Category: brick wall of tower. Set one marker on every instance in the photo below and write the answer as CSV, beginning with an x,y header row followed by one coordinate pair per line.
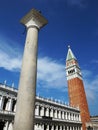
x,y
77,98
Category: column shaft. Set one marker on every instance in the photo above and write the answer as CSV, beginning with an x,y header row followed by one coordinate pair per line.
x,y
42,111
1,102
37,110
52,127
51,112
26,95
6,126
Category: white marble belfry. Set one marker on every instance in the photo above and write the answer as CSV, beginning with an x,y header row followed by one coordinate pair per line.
x,y
24,118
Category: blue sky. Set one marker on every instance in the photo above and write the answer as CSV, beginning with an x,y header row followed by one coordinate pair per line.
x,y
70,22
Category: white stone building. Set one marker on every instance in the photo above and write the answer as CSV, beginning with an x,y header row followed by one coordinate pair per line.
x,y
93,125
49,114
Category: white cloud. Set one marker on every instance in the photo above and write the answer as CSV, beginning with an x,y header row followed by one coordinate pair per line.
x,y
86,73
88,89
51,74
9,63
91,85
10,56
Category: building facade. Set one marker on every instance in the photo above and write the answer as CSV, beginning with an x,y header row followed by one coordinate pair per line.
x,y
49,114
77,96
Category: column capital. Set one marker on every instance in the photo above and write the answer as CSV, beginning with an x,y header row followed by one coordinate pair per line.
x,y
34,19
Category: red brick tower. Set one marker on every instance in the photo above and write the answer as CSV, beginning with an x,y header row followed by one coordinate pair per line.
x,y
77,96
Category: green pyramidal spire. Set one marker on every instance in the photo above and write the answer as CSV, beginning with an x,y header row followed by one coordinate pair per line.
x,y
70,54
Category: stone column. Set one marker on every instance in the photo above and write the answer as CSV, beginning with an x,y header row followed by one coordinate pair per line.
x,y
42,111
25,109
66,115
59,114
79,118
67,127
60,127
69,116
1,102
47,111
47,127
52,127
62,114
9,105
63,127
10,126
55,113
75,117
37,110
57,127
6,126
51,112
43,127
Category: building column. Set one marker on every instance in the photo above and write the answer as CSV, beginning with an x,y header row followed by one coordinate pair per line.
x,y
43,127
10,126
73,116
62,114
79,118
69,116
47,127
37,110
57,127
6,126
51,112
67,127
66,116
60,127
33,21
1,102
63,127
76,128
55,113
42,111
9,105
71,127
76,117
59,114
47,111
52,127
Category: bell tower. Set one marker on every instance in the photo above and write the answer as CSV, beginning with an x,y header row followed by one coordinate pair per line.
x,y
77,96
